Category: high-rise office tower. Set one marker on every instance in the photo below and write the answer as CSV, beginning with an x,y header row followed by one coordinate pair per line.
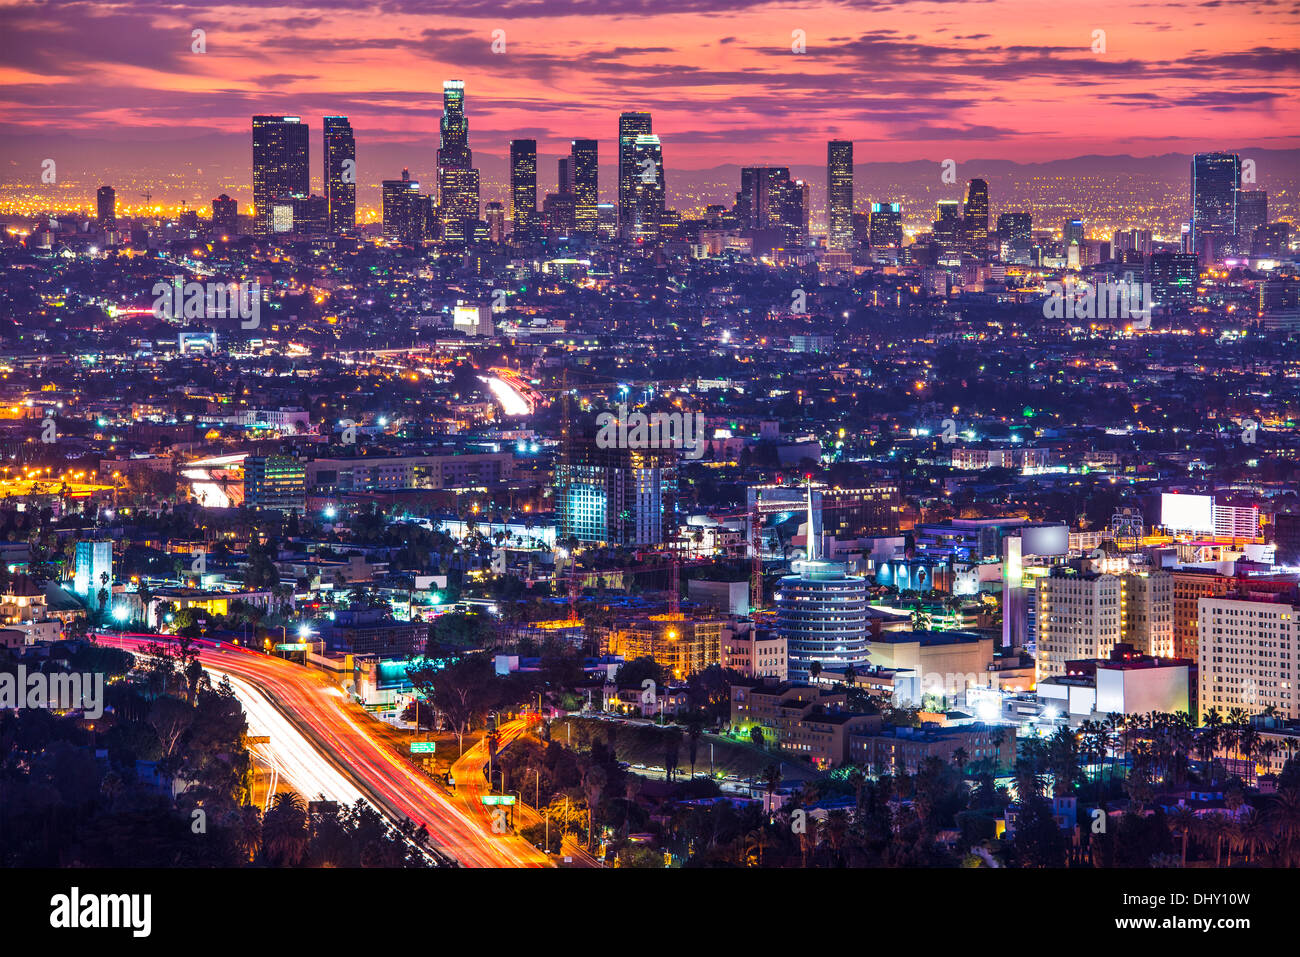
x,y
458,181
523,188
1252,212
618,496
839,194
403,210
225,216
1130,240
564,176
975,212
584,174
1072,232
340,175
885,228
1016,228
453,128
1216,179
106,206
281,168
647,210
946,230
630,126
769,200
821,612
496,220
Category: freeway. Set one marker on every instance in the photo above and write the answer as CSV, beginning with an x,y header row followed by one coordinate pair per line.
x,y
353,742
471,785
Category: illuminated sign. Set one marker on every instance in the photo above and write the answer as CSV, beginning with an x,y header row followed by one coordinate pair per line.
x,y
423,747
494,799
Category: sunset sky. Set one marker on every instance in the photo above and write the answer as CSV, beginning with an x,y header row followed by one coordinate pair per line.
x,y
1002,79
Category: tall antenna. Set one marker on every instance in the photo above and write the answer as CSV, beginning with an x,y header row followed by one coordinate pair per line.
x,y
812,536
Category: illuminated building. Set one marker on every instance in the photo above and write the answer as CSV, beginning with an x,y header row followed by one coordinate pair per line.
x,y
619,496
1079,616
340,175
225,216
280,164
496,220
839,194
1249,655
647,212
886,225
92,569
458,181
523,188
1216,180
106,206
975,214
1148,612
584,172
630,126
275,482
403,219
682,646
821,612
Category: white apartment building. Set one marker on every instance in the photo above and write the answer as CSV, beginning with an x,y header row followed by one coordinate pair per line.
x,y
755,653
1079,616
1148,612
1248,655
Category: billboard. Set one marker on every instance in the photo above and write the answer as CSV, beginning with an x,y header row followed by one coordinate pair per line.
x,y
1045,539
1187,513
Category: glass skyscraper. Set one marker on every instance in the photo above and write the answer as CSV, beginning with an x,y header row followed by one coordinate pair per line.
x,y
458,181
281,168
523,188
340,175
585,174
630,126
839,194
1216,178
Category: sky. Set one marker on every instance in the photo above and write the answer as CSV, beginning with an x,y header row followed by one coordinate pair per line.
x,y
921,79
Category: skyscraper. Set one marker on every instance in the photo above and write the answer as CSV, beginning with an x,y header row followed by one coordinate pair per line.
x,y
225,216
584,173
1252,212
453,128
630,126
496,220
523,188
1216,178
106,205
403,219
458,181
886,226
281,167
839,194
620,496
976,214
647,209
340,175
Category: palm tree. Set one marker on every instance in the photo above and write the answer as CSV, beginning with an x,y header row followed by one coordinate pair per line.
x,y
1284,819
1251,833
284,830
1182,820
771,780
1215,828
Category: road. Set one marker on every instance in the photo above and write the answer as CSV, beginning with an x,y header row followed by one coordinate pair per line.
x,y
353,743
471,785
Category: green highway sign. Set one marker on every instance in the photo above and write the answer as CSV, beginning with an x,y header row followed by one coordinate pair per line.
x,y
494,799
423,747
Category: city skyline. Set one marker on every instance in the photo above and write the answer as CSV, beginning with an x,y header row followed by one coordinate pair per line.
x,y
906,92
